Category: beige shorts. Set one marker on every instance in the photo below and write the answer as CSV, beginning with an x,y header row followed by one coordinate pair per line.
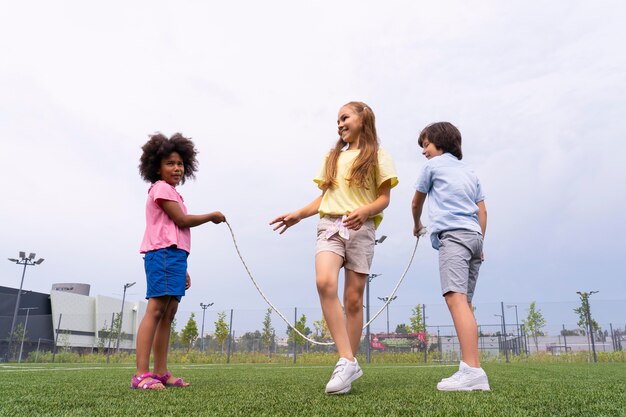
x,y
357,251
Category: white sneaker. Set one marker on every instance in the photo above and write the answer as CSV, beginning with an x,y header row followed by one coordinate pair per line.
x,y
465,379
341,380
462,367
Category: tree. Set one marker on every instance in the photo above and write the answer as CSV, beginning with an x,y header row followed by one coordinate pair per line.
x,y
583,323
322,332
534,323
417,320
173,334
16,338
190,333
402,328
302,328
222,331
267,336
250,341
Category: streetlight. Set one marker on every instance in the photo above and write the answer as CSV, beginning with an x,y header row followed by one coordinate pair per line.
x,y
516,319
204,307
24,332
119,329
367,314
26,262
367,304
384,299
503,331
584,296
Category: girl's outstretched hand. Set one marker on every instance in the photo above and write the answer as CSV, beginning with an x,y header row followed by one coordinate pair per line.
x,y
218,217
285,221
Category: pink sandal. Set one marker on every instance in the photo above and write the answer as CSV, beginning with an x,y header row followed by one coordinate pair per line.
x,y
146,380
179,382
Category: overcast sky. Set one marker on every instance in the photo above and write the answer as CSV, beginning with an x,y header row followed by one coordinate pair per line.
x,y
537,90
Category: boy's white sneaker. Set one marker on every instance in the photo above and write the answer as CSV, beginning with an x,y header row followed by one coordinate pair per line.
x,y
465,379
344,374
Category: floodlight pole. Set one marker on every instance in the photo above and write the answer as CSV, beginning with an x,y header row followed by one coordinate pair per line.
x,y
384,299
19,359
119,328
367,315
367,304
204,307
26,261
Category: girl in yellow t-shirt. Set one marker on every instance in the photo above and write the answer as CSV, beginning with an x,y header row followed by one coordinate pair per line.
x,y
356,179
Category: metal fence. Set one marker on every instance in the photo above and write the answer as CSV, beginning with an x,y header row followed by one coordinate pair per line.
x,y
500,326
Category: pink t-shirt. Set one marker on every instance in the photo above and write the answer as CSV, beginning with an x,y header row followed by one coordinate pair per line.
x,y
161,231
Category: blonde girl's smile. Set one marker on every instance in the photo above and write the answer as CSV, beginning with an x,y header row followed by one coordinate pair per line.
x,y
349,126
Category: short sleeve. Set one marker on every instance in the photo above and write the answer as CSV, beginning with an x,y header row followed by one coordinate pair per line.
x,y
163,191
386,169
320,178
479,192
425,181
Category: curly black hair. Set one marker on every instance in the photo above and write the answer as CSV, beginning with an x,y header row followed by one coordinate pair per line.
x,y
159,147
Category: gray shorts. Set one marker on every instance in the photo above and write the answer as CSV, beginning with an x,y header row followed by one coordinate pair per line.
x,y
357,252
459,261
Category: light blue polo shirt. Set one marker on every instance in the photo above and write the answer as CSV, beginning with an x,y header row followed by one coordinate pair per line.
x,y
453,190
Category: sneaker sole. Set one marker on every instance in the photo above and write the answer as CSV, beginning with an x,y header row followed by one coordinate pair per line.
x,y
480,387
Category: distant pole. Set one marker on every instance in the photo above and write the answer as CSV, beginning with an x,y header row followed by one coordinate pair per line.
x,y
384,300
119,330
367,305
230,333
425,333
110,336
204,307
506,350
24,332
26,261
295,322
56,338
612,336
367,313
585,299
564,338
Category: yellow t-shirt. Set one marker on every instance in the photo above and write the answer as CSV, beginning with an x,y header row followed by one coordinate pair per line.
x,y
342,198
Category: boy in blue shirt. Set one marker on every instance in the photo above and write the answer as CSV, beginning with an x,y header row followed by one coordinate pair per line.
x,y
458,222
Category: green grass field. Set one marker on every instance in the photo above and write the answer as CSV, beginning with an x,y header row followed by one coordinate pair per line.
x,y
520,389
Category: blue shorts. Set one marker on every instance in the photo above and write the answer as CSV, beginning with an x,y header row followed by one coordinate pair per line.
x,y
166,272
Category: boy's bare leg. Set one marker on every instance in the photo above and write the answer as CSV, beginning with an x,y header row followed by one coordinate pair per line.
x,y
465,326
327,266
353,304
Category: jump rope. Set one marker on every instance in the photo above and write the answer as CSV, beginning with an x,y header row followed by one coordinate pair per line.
x,y
391,296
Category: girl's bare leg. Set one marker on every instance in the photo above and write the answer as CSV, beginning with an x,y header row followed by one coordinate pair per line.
x,y
353,304
162,337
327,266
146,332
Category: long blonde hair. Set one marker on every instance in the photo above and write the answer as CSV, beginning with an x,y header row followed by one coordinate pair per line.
x,y
367,160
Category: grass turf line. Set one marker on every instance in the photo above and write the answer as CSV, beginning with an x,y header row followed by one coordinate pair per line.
x,y
278,390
